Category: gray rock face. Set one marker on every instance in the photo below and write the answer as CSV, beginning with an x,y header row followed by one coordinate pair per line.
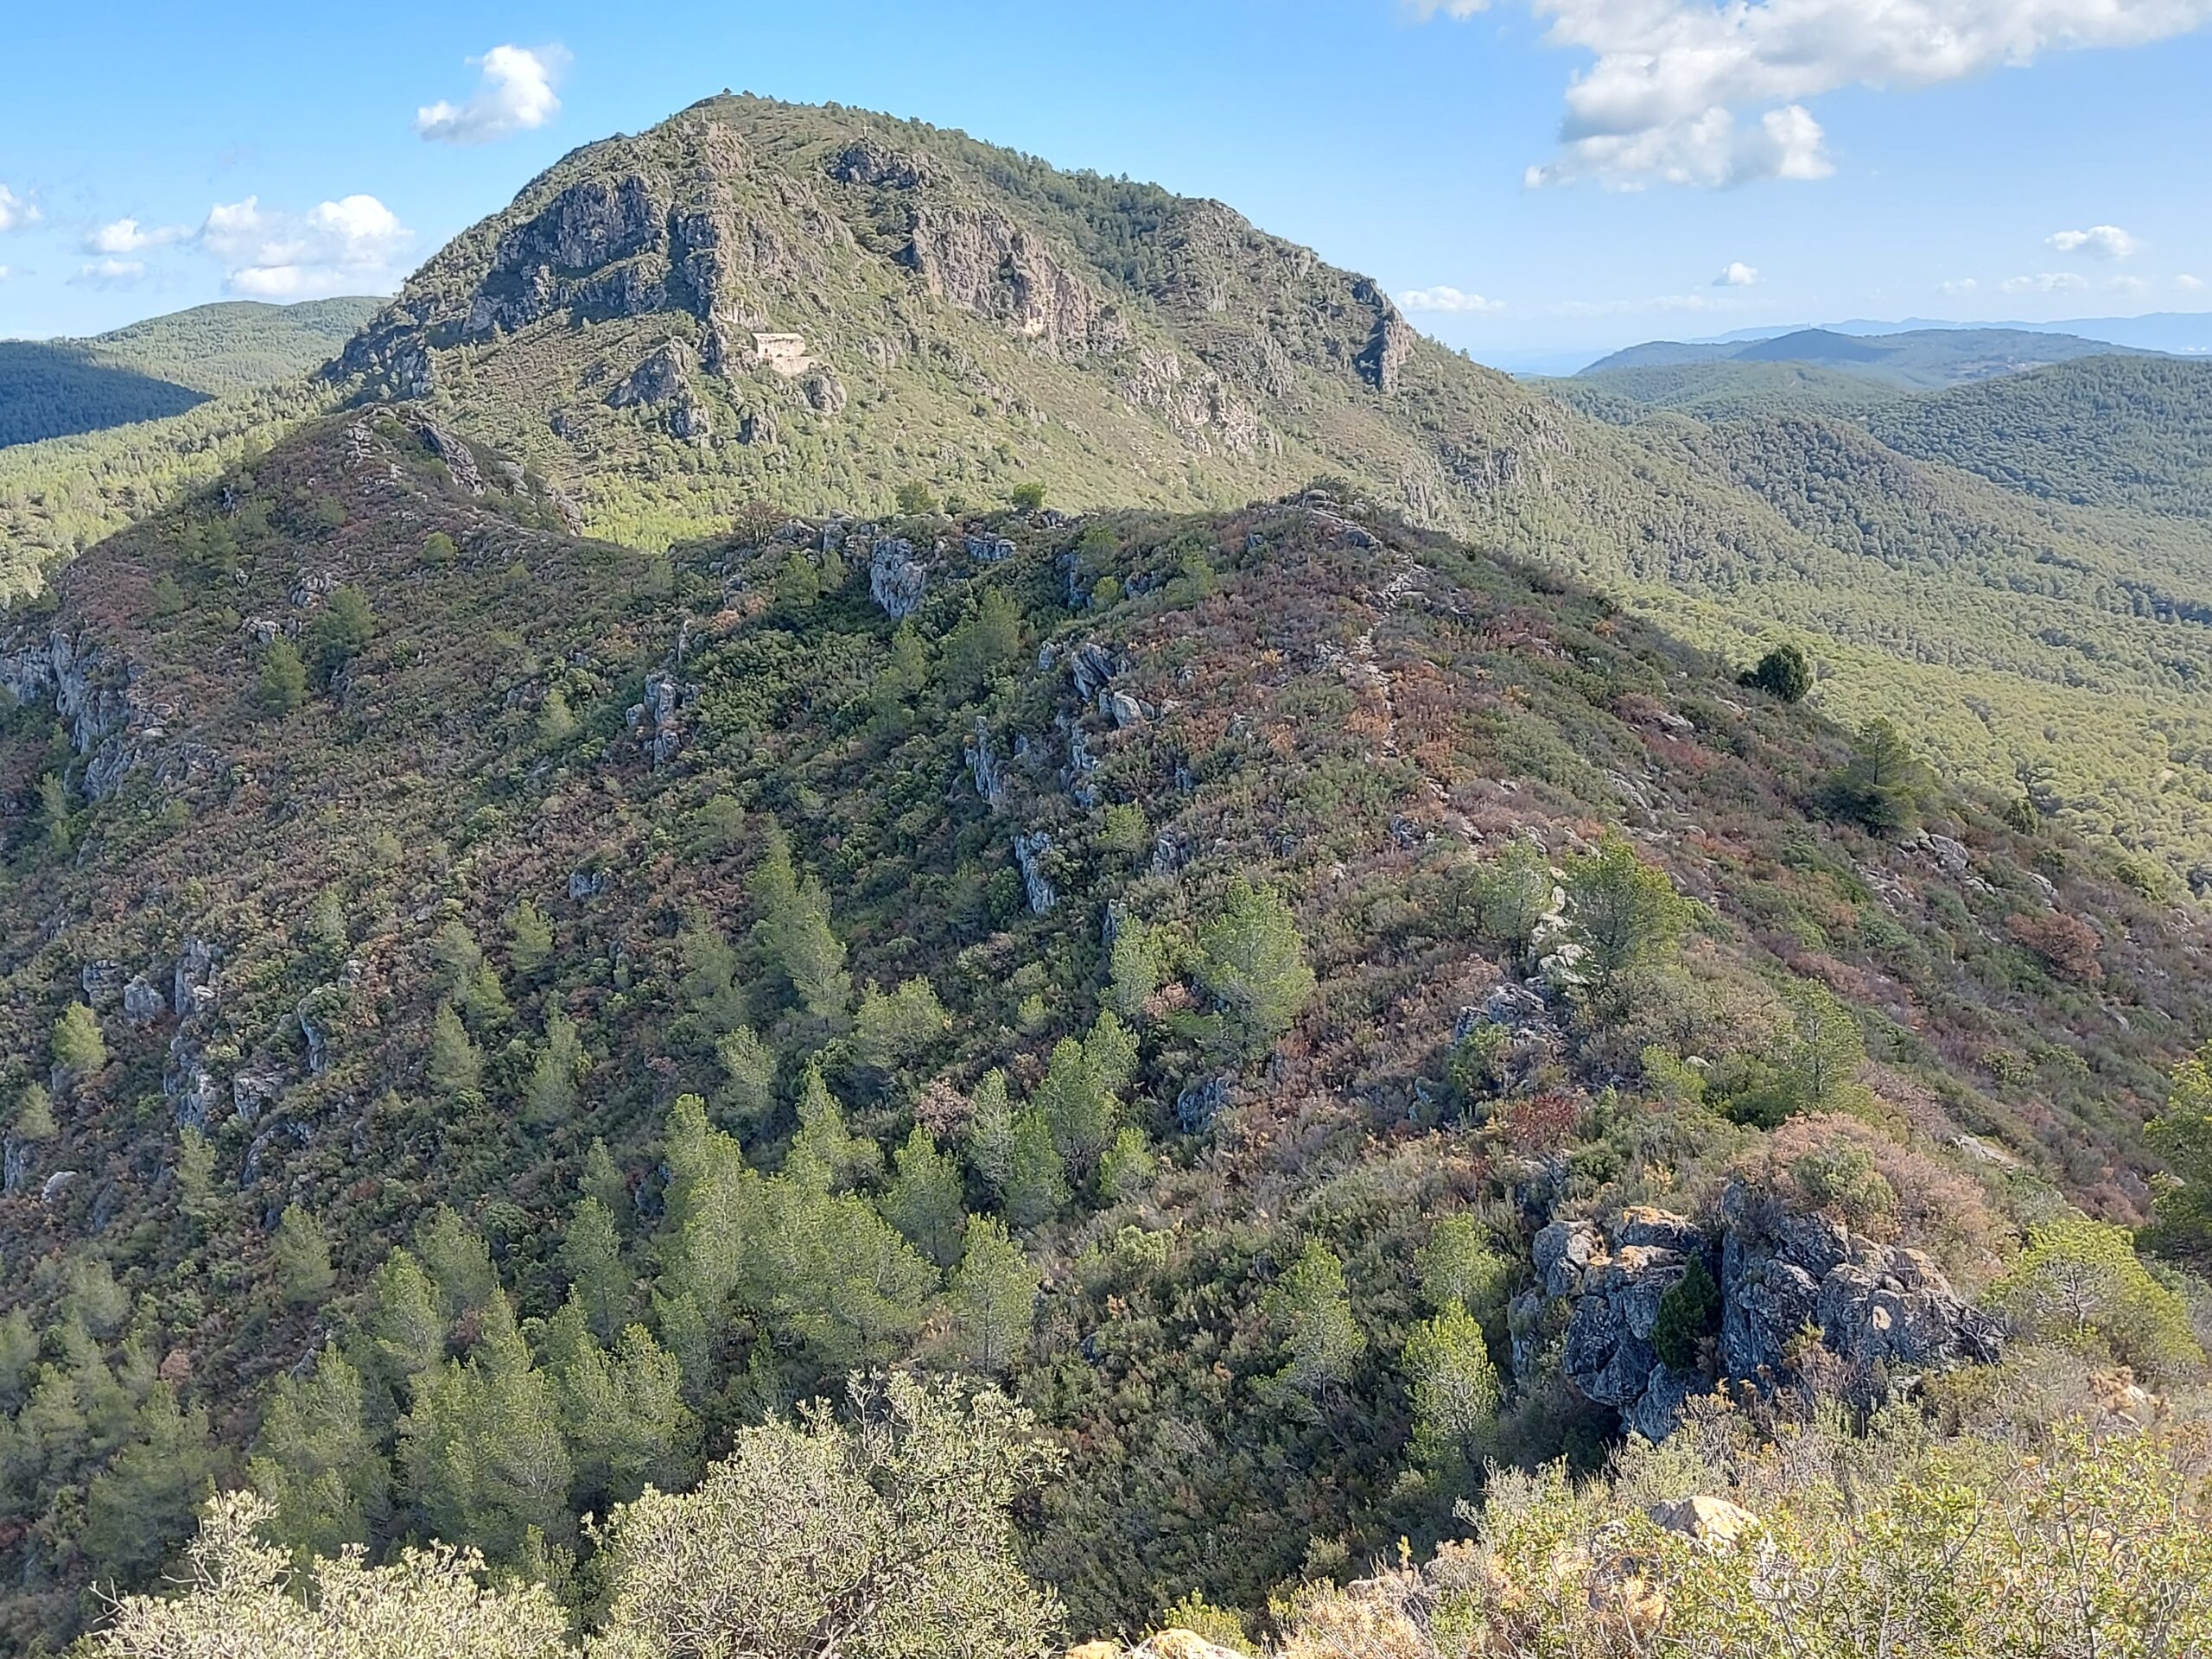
x,y
989,549
896,580
660,377
110,720
1873,1303
658,721
984,766
1093,667
142,1001
1029,851
982,261
866,162
101,980
193,987
1883,1308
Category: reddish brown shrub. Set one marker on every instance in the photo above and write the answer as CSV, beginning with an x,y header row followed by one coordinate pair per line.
x,y
2067,944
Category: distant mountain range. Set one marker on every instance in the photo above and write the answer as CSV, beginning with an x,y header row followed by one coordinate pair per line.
x,y
1920,358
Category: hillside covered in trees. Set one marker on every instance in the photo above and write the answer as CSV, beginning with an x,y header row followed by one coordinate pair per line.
x,y
1200,975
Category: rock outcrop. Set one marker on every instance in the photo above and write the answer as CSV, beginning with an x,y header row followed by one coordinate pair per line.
x,y
1888,1310
896,579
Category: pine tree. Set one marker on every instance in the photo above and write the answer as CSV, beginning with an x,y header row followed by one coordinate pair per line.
x,y
1310,1309
990,1131
456,953
144,1501
793,932
1513,894
1785,672
825,1154
591,1255
403,1334
529,939
1456,1393
892,1031
1252,961
1457,1267
79,1048
1624,910
993,1298
550,1095
1035,1189
35,1115
749,1067
603,1179
1129,1166
283,686
195,1174
2182,1134
557,721
302,1257
1082,1110
317,1460
1823,1051
456,1065
622,1411
459,1263
924,1200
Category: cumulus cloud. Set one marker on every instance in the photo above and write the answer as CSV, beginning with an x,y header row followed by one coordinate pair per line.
x,y
336,247
111,273
514,93
2188,284
129,236
2129,285
1737,274
1960,285
16,212
2047,281
1671,83
6,271
1448,300
2099,241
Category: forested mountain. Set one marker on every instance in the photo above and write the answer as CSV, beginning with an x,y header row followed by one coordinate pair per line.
x,y
800,797
1918,358
165,366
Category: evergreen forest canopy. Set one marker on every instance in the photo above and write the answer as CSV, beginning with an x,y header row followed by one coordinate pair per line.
x,y
666,991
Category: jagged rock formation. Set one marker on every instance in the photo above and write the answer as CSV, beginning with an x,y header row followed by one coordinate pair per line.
x,y
1888,1310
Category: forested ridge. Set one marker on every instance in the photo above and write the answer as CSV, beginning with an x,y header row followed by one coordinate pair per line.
x,y
502,1053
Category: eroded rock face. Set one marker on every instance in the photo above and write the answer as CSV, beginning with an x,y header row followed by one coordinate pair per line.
x,y
896,580
1888,1310
982,261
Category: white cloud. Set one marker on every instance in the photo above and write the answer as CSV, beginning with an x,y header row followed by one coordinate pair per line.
x,y
129,236
1448,300
1962,285
514,93
1737,274
16,212
111,273
349,246
6,271
1661,101
1711,149
2048,281
2189,284
2099,241
2129,285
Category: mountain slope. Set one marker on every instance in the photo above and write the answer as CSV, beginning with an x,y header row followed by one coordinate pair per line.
x,y
2111,432
463,926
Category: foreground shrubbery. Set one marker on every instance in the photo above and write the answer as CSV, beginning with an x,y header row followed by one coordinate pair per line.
x,y
892,1538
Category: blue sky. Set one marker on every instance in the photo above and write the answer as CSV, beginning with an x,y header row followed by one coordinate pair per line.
x,y
1523,173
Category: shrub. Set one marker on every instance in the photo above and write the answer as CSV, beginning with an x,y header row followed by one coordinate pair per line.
x,y
1688,1313
1784,672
